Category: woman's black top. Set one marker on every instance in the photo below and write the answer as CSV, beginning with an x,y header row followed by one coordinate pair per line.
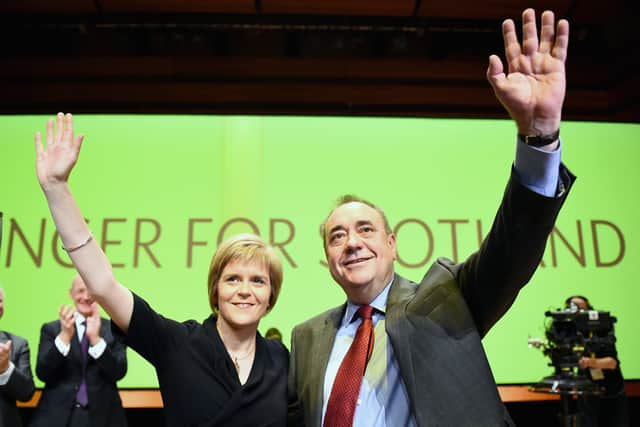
x,y
198,380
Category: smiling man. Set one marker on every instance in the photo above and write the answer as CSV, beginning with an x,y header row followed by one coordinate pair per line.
x,y
80,360
360,248
399,353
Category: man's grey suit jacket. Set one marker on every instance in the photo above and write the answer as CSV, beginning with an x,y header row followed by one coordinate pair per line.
x,y
436,327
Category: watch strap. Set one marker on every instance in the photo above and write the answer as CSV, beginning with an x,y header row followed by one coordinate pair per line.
x,y
540,140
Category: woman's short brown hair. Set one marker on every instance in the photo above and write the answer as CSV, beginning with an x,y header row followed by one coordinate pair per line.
x,y
245,247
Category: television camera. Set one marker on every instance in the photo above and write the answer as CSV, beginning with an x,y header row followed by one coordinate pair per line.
x,y
570,335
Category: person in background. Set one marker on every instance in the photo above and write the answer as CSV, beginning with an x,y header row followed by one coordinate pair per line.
x,y
603,367
273,334
16,379
398,353
80,362
218,372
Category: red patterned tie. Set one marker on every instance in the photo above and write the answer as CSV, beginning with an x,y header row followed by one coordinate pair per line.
x,y
346,387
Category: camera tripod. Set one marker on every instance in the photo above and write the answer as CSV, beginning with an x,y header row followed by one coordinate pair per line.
x,y
569,387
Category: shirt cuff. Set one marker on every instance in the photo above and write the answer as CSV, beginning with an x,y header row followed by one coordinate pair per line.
x,y
4,377
62,347
96,350
537,169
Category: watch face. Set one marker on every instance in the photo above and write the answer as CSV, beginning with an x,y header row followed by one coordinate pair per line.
x,y
535,141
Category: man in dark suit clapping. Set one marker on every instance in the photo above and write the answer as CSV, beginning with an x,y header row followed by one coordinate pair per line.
x,y
80,361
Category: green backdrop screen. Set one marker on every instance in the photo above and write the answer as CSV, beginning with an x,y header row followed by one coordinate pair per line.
x,y
159,192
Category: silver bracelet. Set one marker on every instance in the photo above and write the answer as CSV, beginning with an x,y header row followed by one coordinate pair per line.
x,y
75,248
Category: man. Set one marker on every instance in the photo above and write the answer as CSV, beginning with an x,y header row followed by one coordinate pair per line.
x,y
426,364
80,389
16,380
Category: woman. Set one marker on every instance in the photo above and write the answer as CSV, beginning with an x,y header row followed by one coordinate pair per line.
x,y
220,372
601,365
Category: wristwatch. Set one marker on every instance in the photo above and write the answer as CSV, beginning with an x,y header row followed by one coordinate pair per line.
x,y
540,140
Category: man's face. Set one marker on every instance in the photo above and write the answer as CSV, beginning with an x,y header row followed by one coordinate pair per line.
x,y
80,296
359,251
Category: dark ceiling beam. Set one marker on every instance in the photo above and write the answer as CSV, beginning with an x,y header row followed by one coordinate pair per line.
x,y
247,68
326,97
423,58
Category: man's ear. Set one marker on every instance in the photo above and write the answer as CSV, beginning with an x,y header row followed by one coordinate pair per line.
x,y
391,241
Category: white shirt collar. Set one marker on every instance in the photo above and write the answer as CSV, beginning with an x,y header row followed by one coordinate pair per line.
x,y
379,303
79,318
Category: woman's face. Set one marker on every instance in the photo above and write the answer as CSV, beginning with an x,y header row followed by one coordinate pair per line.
x,y
244,289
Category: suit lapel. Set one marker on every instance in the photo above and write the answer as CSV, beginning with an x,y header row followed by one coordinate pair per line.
x,y
401,290
322,344
76,343
400,293
76,350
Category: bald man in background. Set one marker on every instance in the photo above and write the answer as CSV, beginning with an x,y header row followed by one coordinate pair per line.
x,y
60,367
